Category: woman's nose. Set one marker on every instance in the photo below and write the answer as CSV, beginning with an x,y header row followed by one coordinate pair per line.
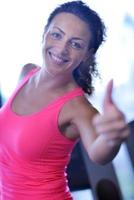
x,y
63,48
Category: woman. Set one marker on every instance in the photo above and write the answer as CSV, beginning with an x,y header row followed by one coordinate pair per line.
x,y
48,112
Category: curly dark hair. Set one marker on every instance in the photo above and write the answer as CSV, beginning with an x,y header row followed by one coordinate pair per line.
x,y
85,72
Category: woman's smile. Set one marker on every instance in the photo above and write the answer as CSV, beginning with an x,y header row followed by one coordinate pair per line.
x,y
57,59
65,44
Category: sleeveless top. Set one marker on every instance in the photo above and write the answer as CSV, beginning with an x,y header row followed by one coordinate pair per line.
x,y
33,152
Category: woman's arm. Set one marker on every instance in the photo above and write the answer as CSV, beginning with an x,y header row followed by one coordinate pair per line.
x,y
102,134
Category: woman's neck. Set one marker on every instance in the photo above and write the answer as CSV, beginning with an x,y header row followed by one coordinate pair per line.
x,y
47,80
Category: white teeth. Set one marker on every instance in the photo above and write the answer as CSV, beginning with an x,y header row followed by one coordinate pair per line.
x,y
57,59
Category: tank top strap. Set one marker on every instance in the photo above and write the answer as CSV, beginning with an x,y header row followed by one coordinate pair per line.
x,y
30,73
74,93
60,100
70,95
26,78
21,84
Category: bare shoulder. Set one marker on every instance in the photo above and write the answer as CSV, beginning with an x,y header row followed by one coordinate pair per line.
x,y
82,115
83,108
26,69
77,111
76,117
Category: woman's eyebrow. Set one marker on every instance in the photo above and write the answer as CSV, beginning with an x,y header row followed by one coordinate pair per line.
x,y
59,29
74,38
77,38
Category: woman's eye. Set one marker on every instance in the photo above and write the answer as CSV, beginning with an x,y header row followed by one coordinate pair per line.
x,y
56,35
76,45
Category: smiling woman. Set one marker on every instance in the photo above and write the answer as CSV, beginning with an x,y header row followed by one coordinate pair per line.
x,y
64,50
48,112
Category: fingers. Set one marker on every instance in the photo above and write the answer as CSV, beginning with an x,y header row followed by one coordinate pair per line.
x,y
112,126
109,123
115,138
109,126
107,101
111,116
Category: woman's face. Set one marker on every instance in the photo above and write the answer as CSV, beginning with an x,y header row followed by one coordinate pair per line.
x,y
65,44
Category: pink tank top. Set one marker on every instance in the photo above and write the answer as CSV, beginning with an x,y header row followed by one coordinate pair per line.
x,y
33,152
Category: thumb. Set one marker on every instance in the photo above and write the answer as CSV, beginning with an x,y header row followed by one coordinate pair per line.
x,y
108,101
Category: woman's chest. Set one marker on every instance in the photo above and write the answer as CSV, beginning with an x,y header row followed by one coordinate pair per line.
x,y
27,137
28,102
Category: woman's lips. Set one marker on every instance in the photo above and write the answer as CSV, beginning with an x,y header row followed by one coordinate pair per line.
x,y
58,59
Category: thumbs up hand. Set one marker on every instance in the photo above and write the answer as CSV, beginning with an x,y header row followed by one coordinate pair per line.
x,y
111,124
107,101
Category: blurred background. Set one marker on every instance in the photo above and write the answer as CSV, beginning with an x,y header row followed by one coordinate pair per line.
x,y
22,24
